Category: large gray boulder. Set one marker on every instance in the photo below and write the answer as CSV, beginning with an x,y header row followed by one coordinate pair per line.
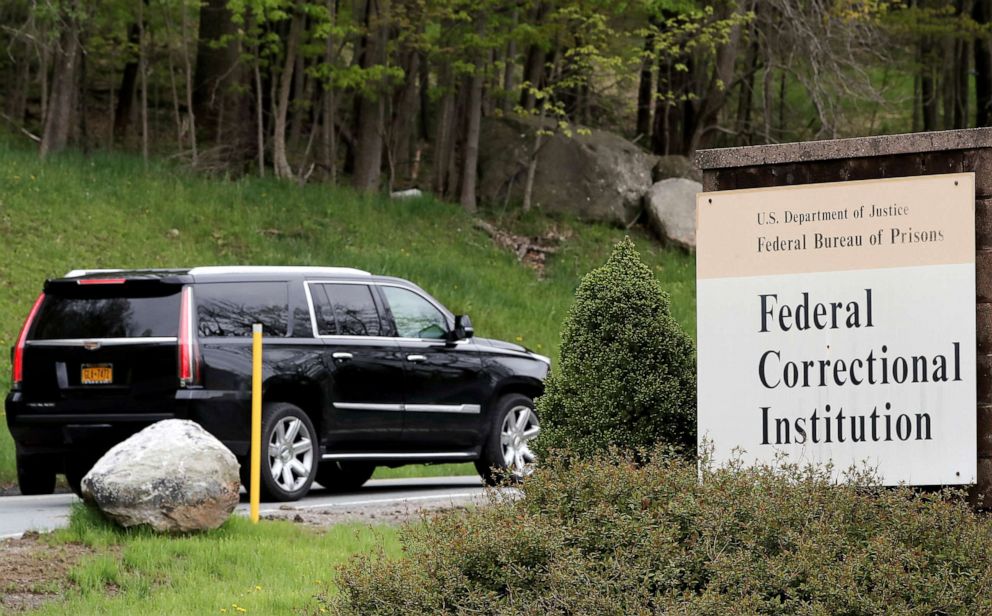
x,y
173,476
671,209
675,166
600,177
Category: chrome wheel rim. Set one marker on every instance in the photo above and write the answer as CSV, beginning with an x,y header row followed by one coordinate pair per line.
x,y
520,427
290,454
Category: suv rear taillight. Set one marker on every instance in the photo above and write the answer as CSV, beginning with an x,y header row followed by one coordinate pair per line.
x,y
189,360
18,363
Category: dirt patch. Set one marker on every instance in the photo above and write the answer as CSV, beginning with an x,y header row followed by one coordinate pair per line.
x,y
386,513
33,573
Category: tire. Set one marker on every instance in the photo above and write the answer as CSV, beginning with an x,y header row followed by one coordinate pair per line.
x,y
290,452
506,455
35,475
344,476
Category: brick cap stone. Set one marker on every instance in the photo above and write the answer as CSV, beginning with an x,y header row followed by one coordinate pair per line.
x,y
859,147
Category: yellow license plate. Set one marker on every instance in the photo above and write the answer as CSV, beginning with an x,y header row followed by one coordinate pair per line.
x,y
97,374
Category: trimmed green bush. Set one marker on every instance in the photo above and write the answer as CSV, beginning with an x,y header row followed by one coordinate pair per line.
x,y
627,372
614,536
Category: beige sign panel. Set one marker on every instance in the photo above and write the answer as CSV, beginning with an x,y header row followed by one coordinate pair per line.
x,y
841,226
836,323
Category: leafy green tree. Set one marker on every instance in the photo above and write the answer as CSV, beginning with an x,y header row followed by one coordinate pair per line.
x,y
627,375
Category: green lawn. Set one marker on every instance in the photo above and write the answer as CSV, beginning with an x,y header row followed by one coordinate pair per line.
x,y
268,568
109,211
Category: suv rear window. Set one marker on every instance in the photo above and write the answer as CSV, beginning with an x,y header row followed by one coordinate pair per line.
x,y
231,308
64,317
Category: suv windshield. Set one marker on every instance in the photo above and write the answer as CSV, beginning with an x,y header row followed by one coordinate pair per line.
x,y
65,317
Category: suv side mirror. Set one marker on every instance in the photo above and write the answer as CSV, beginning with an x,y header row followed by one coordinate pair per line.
x,y
463,328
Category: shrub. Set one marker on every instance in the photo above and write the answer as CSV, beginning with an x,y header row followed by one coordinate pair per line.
x,y
627,373
610,536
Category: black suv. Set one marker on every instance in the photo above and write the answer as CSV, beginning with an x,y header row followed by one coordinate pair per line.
x,y
358,371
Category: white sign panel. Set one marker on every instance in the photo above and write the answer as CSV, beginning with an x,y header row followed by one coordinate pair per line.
x,y
836,323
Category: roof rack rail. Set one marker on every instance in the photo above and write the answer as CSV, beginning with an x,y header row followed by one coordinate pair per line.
x,y
86,272
278,269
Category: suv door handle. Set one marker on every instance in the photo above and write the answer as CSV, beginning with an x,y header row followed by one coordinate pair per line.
x,y
342,356
416,358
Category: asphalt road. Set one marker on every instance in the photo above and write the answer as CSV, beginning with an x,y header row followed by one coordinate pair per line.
x,y
44,513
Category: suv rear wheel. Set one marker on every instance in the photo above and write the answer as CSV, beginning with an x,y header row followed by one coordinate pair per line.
x,y
76,467
289,452
344,476
506,451
35,475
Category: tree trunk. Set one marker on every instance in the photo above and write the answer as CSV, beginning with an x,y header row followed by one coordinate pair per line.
x,y
720,82
279,160
745,102
442,139
458,119
125,95
470,162
259,118
403,116
982,14
301,94
16,103
215,66
928,94
425,98
533,76
645,93
143,75
329,144
962,65
532,164
509,76
190,114
371,105
58,121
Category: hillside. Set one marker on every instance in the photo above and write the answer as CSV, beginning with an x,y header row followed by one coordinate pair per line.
x,y
109,211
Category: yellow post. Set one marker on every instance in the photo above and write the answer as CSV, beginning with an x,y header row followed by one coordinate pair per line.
x,y
256,419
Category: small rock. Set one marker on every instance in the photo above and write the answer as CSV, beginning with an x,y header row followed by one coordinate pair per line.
x,y
671,208
173,476
410,193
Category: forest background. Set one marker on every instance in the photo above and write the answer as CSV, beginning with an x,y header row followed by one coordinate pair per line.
x,y
389,94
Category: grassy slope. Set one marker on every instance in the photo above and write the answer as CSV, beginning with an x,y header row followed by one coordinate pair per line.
x,y
269,568
109,211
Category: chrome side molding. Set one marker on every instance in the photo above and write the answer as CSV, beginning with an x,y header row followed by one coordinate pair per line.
x,y
442,455
465,409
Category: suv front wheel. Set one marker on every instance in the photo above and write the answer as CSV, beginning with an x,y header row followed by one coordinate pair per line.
x,y
506,452
289,452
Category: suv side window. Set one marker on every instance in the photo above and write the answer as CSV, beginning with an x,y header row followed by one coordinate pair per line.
x,y
345,310
415,316
231,308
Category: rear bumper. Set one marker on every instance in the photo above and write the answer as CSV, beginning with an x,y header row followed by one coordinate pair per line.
x,y
90,428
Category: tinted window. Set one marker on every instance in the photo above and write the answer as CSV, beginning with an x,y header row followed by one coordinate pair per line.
x,y
345,310
231,308
107,317
415,316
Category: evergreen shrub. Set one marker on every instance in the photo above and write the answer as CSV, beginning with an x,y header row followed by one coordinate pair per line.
x,y
627,372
